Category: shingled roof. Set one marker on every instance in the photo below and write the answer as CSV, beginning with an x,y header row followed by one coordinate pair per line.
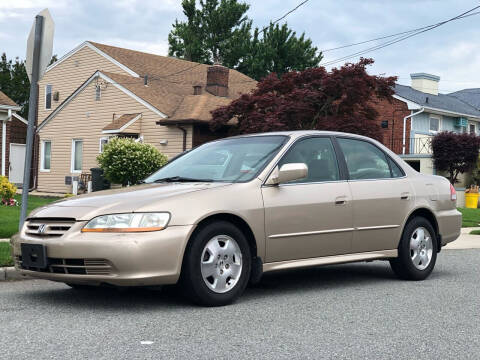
x,y
170,83
469,96
5,100
447,102
121,121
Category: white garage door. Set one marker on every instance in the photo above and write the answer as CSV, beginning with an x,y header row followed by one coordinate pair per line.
x,y
17,161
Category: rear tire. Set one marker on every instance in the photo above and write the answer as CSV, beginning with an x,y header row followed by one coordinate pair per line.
x,y
217,265
417,251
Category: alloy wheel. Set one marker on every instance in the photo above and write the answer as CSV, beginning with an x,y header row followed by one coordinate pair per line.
x,y
421,248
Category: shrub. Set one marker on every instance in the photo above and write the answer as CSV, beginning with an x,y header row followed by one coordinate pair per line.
x,y
455,153
126,162
7,190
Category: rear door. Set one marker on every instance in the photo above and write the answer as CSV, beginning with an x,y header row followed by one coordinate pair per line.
x,y
381,195
310,217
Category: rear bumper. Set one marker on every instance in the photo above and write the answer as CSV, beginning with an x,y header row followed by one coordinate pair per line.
x,y
449,225
139,259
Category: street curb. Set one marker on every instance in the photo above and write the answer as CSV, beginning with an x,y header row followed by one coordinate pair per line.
x,y
10,273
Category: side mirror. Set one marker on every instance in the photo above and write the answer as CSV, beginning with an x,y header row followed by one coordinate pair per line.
x,y
287,173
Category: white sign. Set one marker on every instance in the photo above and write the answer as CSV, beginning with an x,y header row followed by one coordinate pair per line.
x,y
46,46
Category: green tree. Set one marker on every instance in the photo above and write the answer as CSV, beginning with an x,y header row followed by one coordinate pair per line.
x,y
14,81
278,50
220,31
209,31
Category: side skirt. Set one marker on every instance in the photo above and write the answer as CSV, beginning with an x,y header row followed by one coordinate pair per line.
x,y
326,260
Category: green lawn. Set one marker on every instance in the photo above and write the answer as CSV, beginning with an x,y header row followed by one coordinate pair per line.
x,y
470,217
475,232
5,258
10,215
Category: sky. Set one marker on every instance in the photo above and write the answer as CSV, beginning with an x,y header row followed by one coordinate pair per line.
x,y
451,51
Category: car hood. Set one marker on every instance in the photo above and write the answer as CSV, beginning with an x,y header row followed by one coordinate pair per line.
x,y
124,200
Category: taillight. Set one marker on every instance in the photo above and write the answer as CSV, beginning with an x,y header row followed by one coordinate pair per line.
x,y
453,193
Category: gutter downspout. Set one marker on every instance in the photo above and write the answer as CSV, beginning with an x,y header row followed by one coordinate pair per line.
x,y
184,136
4,140
405,126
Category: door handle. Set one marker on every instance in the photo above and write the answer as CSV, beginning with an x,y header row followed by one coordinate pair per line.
x,y
405,196
341,200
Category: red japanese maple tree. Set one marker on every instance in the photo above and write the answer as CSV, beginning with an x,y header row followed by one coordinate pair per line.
x,y
313,99
455,153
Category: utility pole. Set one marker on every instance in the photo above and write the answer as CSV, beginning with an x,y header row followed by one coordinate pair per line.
x,y
39,53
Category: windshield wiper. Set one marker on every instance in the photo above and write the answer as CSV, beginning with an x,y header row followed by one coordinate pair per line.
x,y
181,179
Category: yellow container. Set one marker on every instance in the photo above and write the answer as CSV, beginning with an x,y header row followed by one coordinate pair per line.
x,y
471,200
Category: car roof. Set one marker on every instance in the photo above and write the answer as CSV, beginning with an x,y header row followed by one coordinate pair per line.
x,y
301,133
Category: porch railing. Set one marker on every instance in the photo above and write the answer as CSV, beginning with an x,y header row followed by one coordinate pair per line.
x,y
413,146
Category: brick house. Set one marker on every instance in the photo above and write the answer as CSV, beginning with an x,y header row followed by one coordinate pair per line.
x,y
97,91
13,138
419,111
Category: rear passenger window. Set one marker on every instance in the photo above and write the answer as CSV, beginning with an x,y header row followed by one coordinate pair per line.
x,y
319,156
396,171
364,160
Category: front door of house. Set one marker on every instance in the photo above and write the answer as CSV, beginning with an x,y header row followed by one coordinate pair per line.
x,y
17,162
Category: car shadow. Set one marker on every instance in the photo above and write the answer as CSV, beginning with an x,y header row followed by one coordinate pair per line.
x,y
299,281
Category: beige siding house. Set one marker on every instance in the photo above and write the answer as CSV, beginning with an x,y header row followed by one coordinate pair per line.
x,y
98,91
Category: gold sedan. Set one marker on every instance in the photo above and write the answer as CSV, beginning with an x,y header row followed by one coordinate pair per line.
x,y
220,215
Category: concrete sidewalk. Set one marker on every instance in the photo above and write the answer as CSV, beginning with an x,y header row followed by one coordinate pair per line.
x,y
465,241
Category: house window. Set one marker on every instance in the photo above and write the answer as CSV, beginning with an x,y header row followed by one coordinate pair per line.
x,y
98,92
472,129
103,142
48,97
46,155
434,124
77,155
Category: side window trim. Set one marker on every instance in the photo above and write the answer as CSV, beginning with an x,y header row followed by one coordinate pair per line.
x,y
344,163
341,175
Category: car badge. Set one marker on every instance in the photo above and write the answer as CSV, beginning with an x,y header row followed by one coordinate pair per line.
x,y
41,229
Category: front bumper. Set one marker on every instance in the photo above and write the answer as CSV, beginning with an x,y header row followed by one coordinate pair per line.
x,y
134,259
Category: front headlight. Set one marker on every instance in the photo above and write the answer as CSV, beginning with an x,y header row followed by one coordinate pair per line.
x,y
133,222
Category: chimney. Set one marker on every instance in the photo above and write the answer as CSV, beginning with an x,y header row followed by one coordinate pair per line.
x,y
217,80
425,83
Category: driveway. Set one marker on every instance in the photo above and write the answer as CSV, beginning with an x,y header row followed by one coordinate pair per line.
x,y
354,311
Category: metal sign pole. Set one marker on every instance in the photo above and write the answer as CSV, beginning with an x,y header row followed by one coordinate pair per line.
x,y
31,116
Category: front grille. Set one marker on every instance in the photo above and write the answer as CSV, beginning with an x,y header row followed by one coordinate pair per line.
x,y
72,266
48,227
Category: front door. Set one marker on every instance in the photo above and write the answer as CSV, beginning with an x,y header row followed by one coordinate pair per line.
x,y
381,196
17,163
310,217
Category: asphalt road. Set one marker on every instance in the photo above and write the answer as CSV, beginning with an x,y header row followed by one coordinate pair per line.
x,y
356,311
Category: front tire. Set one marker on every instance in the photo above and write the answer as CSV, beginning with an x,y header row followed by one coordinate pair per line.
x,y
417,251
217,265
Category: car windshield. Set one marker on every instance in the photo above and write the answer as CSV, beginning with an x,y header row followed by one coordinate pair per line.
x,y
230,160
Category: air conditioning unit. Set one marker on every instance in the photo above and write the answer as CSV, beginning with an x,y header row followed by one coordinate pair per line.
x,y
461,122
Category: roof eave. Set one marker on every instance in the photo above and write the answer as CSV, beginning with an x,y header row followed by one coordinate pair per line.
x,y
181,121
10,107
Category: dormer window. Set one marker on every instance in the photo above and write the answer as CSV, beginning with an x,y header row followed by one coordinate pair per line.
x,y
48,97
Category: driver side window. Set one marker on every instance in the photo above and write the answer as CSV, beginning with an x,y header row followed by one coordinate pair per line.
x,y
319,156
